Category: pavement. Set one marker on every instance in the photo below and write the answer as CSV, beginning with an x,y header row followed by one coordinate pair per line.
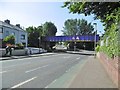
x,y
92,75
88,74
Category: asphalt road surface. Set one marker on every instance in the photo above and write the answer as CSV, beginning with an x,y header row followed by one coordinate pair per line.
x,y
37,72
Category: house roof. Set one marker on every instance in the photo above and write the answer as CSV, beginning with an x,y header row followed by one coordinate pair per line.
x,y
11,26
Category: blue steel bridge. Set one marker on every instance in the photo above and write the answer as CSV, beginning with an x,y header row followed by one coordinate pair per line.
x,y
77,38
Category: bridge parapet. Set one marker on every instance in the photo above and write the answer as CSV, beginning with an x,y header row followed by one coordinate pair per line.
x,y
78,38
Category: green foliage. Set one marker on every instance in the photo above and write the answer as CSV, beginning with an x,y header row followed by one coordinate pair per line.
x,y
9,39
109,13
113,32
33,34
100,9
113,47
77,27
97,48
49,29
19,46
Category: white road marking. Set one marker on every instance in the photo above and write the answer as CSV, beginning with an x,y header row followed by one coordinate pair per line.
x,y
78,58
22,83
67,57
46,87
68,70
3,72
16,65
51,83
35,69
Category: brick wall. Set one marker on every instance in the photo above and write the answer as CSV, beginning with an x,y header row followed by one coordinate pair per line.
x,y
112,66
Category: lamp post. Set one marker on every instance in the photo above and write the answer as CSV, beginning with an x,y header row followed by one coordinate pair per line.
x,y
39,43
73,38
95,37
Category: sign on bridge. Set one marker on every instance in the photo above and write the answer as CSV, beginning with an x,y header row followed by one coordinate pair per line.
x,y
85,38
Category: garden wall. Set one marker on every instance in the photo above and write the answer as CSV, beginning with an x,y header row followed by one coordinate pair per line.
x,y
18,52
112,66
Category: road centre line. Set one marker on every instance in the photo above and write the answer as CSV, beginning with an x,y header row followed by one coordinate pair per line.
x,y
3,72
22,83
78,58
68,70
16,65
67,57
35,69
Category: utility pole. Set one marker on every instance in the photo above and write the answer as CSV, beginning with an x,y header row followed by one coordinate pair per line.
x,y
95,38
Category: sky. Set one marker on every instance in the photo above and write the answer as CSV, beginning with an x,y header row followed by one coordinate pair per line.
x,y
37,13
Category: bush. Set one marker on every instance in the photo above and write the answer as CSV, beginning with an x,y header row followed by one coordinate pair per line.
x,y
97,48
9,39
19,46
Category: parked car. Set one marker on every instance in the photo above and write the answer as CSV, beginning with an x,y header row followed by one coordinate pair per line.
x,y
32,50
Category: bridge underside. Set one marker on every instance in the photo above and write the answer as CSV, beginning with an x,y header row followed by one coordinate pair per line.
x,y
74,41
81,42
82,38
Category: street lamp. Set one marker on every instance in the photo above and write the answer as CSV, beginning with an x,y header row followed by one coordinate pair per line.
x,y
74,38
39,43
95,37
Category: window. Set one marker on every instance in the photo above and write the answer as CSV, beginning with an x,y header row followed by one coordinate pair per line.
x,y
13,33
1,30
7,33
24,44
23,37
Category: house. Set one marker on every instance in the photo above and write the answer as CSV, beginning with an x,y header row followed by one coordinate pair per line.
x,y
6,29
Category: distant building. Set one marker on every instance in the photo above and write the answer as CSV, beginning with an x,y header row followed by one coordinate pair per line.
x,y
7,29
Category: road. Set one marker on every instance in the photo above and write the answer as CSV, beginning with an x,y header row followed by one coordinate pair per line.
x,y
37,72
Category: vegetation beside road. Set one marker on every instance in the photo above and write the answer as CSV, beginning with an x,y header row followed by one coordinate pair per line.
x,y
109,14
9,39
37,34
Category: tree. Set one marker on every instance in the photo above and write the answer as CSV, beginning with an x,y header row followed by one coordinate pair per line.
x,y
33,35
70,27
9,39
109,14
101,10
49,29
77,27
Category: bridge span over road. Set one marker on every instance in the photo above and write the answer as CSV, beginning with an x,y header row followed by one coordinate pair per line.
x,y
80,41
77,38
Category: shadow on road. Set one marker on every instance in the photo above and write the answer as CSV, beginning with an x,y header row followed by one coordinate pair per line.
x,y
82,54
75,52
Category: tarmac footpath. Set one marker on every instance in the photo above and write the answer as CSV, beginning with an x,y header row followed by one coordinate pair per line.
x,y
87,73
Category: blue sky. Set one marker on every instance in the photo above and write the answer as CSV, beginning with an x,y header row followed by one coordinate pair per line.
x,y
37,13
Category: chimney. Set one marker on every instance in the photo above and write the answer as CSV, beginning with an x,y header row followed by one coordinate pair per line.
x,y
18,25
7,21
